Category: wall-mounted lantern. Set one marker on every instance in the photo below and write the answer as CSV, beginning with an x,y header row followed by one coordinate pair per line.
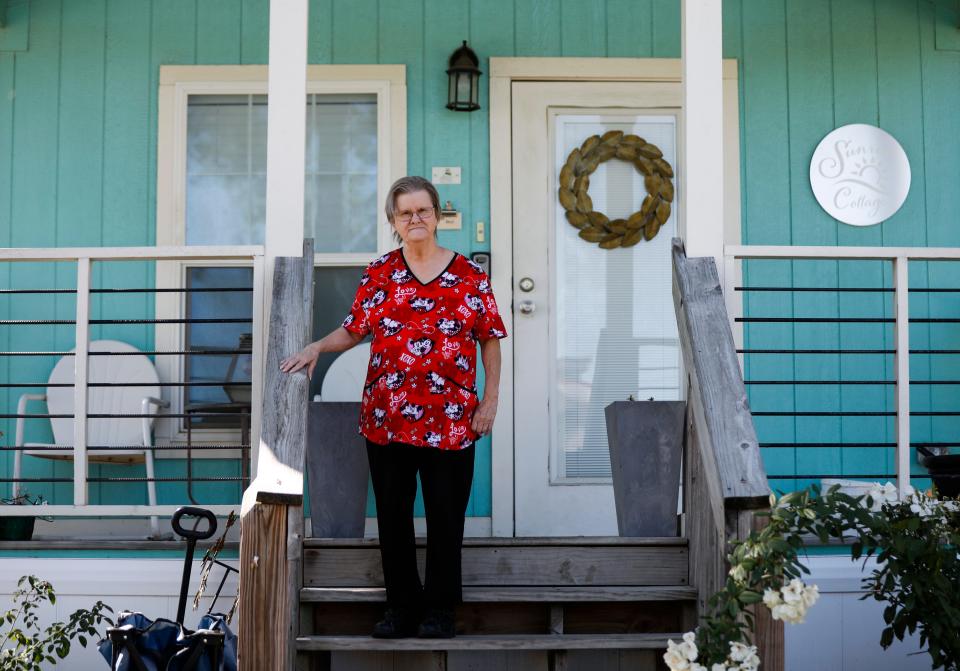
x,y
463,87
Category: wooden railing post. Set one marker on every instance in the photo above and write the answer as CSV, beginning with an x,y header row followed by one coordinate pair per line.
x,y
271,532
724,478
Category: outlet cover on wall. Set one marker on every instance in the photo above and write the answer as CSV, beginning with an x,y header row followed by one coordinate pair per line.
x,y
450,175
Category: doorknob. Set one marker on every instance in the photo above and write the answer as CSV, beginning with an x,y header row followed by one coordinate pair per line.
x,y
527,307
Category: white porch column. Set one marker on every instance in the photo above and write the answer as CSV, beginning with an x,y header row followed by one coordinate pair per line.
x,y
286,148
286,129
702,166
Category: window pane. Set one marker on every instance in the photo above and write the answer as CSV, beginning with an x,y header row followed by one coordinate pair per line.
x,y
226,171
341,192
224,370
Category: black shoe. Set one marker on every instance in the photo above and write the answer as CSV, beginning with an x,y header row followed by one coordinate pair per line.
x,y
437,623
396,623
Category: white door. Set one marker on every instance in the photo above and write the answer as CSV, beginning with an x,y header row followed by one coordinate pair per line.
x,y
591,325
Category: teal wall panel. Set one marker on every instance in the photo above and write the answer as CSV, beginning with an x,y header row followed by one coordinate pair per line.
x,y
356,31
7,84
254,31
219,26
583,28
629,28
78,166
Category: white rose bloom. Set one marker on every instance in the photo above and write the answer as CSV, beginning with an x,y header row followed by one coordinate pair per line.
x,y
688,650
810,595
790,613
792,592
738,573
675,659
740,652
689,645
718,667
771,598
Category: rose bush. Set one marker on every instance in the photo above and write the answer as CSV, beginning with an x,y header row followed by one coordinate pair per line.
x,y
914,538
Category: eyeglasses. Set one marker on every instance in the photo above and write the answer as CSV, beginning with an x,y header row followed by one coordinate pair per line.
x,y
425,214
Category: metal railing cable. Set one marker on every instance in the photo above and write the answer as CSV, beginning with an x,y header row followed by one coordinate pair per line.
x,y
190,414
777,327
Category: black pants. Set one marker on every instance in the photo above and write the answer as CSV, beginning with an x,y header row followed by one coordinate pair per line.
x,y
446,476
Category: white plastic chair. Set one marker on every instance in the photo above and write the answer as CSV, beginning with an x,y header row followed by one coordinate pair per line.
x,y
346,375
143,399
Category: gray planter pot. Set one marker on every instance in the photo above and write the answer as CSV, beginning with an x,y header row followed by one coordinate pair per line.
x,y
646,444
337,470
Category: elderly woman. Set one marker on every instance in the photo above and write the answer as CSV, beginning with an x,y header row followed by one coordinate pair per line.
x,y
426,307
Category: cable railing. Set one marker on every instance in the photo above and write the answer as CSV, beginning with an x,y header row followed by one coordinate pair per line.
x,y
105,399
849,358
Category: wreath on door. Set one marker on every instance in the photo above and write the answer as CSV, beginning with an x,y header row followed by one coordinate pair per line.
x,y
574,189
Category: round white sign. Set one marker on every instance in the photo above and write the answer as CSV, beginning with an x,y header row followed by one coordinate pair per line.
x,y
860,174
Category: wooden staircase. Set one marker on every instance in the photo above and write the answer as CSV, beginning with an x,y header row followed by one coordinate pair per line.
x,y
529,603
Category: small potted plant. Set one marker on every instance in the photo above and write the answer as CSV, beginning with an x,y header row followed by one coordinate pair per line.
x,y
19,527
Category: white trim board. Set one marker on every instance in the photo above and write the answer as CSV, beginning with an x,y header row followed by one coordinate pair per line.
x,y
503,72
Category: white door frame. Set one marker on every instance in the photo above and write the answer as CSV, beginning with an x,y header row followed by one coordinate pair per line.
x,y
503,72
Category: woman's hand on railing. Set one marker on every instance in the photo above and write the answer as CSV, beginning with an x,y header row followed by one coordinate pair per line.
x,y
305,357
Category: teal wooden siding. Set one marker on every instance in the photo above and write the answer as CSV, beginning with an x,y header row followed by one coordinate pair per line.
x,y
78,166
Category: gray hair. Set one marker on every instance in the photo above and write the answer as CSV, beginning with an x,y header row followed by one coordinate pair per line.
x,y
410,184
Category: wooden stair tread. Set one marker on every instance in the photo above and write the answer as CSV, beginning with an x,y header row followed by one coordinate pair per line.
x,y
599,541
487,594
491,642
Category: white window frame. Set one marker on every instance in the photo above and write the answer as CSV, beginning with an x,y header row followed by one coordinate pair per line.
x,y
177,83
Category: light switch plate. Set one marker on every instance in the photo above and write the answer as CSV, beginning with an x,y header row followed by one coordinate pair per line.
x,y
448,175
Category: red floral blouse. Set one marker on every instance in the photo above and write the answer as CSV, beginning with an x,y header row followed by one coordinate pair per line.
x,y
420,387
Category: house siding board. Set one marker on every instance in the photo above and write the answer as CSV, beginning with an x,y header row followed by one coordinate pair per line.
x,y
900,104
856,101
254,31
33,206
666,28
809,83
320,31
629,28
764,121
583,28
355,31
537,28
940,70
446,142
406,24
496,32
805,68
6,193
219,27
79,173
